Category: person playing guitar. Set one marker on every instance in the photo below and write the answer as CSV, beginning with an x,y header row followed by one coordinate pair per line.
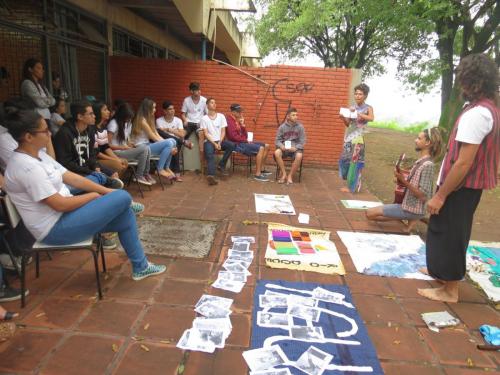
x,y
415,187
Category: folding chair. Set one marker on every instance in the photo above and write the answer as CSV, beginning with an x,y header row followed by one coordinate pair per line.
x,y
288,160
132,170
14,219
243,160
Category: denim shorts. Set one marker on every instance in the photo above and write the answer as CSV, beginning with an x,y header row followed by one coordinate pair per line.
x,y
396,211
248,148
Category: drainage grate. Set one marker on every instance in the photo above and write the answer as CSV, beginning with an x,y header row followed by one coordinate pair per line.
x,y
176,237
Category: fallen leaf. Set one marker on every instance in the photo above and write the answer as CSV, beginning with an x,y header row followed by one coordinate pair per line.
x,y
144,347
137,338
40,315
115,348
180,369
396,342
78,296
390,296
165,341
469,362
146,326
249,222
106,276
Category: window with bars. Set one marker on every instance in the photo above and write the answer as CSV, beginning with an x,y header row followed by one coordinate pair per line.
x,y
125,44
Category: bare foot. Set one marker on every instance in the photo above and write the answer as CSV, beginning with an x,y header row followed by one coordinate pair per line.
x,y
345,190
165,174
442,294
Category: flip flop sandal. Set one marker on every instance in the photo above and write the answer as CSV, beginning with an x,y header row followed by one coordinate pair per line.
x,y
10,315
281,181
289,183
7,330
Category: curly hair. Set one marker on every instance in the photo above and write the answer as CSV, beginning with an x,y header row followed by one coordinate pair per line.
x,y
478,75
363,87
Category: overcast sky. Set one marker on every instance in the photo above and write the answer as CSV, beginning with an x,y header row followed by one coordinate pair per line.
x,y
389,98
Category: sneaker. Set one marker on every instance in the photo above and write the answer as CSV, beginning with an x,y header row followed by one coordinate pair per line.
x,y
6,262
151,270
108,244
143,181
222,171
211,180
114,183
261,178
150,179
137,207
8,294
266,173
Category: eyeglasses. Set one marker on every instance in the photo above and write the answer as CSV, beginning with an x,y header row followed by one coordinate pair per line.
x,y
46,131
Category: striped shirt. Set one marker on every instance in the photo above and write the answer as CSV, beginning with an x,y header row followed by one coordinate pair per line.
x,y
421,176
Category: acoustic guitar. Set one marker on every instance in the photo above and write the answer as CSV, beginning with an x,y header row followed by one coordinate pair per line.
x,y
400,190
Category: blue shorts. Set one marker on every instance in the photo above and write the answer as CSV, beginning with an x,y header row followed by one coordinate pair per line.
x,y
248,148
395,211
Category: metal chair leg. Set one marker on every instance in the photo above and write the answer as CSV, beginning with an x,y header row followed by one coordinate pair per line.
x,y
100,249
23,280
96,267
37,264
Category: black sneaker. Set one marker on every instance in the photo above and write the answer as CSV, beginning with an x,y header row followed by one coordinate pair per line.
x,y
261,178
8,294
266,173
114,183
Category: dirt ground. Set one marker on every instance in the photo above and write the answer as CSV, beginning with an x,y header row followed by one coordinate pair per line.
x,y
383,147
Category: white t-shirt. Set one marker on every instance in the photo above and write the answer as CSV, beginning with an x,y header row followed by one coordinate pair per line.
x,y
214,127
141,139
7,147
113,128
194,112
164,125
28,181
473,127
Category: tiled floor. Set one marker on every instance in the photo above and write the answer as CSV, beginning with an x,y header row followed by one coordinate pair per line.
x,y
134,329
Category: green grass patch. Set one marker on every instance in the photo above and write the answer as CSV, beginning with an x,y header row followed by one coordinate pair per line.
x,y
393,125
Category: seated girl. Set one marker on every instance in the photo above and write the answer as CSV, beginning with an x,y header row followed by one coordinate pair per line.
x,y
36,184
419,184
57,116
119,129
107,158
144,133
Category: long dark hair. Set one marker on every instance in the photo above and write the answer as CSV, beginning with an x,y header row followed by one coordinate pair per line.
x,y
478,73
30,64
124,113
19,122
97,107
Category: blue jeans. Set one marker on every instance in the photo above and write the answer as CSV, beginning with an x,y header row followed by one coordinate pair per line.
x,y
164,150
209,151
97,177
109,213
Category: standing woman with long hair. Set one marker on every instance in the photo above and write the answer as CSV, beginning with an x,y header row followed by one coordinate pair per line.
x,y
119,129
144,133
33,89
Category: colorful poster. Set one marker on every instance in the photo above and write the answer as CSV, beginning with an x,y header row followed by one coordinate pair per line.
x,y
483,267
274,204
308,328
302,249
386,254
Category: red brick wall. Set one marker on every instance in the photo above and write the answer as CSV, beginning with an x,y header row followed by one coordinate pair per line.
x,y
317,93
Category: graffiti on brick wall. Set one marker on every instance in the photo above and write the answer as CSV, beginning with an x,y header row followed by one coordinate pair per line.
x,y
284,101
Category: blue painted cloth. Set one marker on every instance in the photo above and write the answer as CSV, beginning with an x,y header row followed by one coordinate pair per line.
x,y
491,334
345,355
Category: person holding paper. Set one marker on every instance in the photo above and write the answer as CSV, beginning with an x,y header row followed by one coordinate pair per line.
x,y
419,184
352,159
237,133
290,141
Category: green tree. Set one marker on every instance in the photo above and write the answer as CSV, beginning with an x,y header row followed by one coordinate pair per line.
x,y
454,29
342,33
